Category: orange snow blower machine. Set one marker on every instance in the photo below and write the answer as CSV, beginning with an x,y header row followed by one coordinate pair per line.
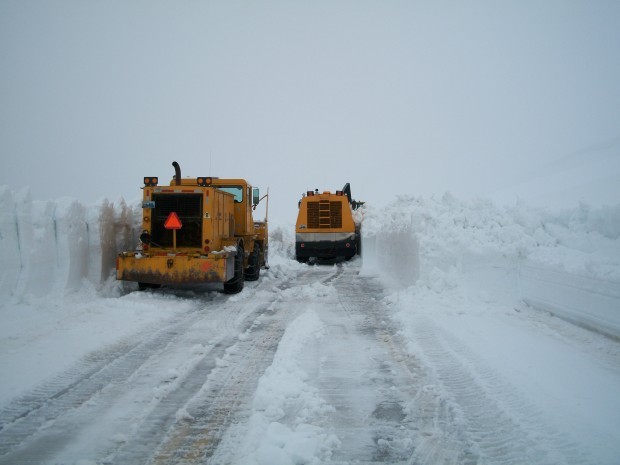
x,y
327,226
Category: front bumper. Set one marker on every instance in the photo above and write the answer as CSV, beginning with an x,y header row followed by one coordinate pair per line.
x,y
175,268
325,245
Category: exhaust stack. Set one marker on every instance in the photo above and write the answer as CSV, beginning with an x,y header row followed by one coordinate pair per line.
x,y
177,173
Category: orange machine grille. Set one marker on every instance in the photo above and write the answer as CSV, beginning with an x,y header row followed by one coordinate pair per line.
x,y
324,214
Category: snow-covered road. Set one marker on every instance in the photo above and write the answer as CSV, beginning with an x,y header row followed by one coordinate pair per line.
x,y
119,402
320,364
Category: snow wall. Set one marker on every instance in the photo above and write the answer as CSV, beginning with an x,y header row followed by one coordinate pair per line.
x,y
53,247
565,262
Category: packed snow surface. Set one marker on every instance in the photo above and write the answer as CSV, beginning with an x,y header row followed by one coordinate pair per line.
x,y
487,335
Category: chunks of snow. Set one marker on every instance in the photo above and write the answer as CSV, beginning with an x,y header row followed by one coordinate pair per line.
x,y
227,249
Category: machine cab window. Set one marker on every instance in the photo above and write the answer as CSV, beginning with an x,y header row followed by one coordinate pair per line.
x,y
237,191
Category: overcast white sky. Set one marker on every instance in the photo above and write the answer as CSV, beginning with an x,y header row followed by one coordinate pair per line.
x,y
479,98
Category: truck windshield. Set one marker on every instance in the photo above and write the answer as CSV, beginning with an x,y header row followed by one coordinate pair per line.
x,y
237,191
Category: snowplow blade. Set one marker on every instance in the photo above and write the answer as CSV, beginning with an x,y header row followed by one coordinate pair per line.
x,y
175,268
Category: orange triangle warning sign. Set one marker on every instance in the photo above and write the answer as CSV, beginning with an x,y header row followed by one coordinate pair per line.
x,y
173,221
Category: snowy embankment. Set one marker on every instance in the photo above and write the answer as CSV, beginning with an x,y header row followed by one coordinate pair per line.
x,y
56,247
567,263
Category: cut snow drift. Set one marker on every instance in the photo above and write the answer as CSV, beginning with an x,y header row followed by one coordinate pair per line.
x,y
567,263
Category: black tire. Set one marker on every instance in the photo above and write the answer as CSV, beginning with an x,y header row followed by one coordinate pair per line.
x,y
235,285
302,259
252,272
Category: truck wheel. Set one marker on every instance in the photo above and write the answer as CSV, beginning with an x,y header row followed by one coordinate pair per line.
x,y
302,259
235,285
252,272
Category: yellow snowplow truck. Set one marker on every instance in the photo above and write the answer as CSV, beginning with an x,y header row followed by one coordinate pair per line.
x,y
197,230
325,227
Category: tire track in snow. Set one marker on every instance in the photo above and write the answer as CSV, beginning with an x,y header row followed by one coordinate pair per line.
x,y
437,410
221,399
43,423
39,409
226,395
364,374
501,428
174,413
389,407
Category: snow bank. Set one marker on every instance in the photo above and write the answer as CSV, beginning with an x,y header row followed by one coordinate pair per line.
x,y
565,262
55,247
281,243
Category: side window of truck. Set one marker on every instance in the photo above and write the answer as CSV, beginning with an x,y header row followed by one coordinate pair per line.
x,y
237,191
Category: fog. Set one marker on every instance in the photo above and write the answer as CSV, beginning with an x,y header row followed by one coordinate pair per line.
x,y
512,100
